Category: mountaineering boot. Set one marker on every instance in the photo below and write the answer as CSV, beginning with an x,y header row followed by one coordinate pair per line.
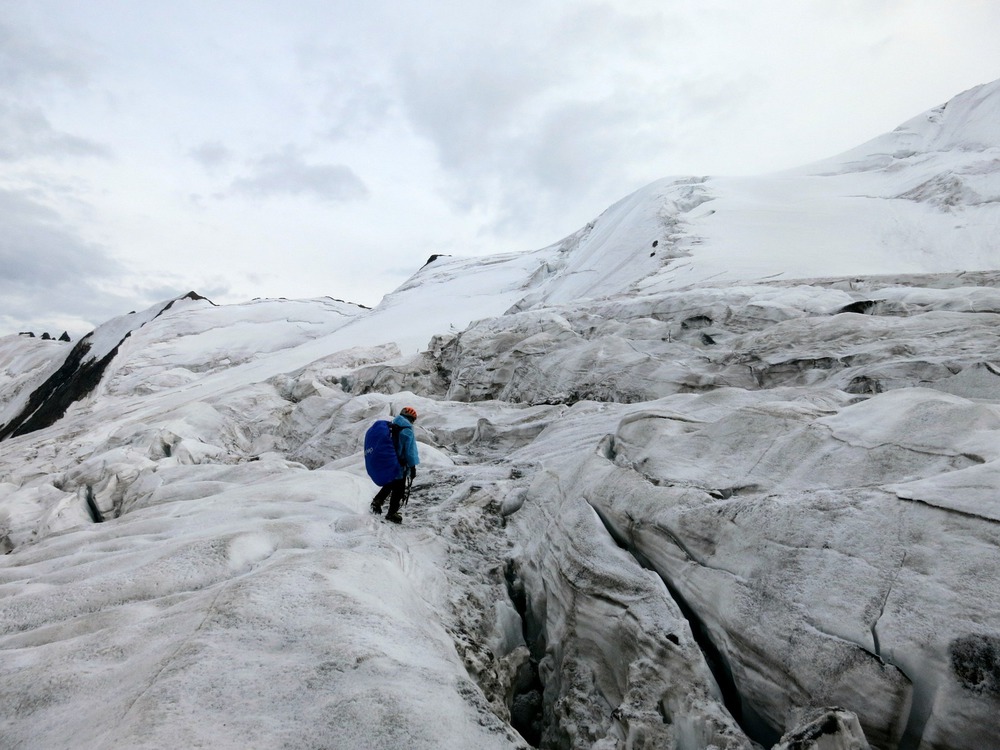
x,y
376,508
394,517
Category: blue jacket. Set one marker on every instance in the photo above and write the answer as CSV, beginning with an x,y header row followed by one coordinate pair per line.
x,y
406,448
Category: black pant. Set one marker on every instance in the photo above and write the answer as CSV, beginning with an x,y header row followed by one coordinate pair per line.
x,y
394,491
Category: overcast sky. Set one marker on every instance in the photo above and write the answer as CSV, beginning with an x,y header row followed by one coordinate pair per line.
x,y
248,148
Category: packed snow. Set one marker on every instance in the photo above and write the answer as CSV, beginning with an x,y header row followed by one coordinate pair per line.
x,y
720,470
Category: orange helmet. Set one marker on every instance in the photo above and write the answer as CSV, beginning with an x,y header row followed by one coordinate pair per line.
x,y
409,412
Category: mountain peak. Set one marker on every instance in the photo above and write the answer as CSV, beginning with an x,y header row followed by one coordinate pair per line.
x,y
967,122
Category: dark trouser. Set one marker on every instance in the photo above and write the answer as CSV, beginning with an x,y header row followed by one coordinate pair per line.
x,y
394,491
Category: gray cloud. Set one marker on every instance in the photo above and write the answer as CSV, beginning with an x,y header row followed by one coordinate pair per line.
x,y
363,110
466,108
38,249
25,132
28,68
211,154
50,271
286,173
26,63
572,111
354,100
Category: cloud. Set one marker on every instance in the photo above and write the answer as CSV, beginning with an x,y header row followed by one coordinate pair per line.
x,y
51,274
573,110
25,132
27,69
26,63
211,154
38,249
362,110
353,99
285,173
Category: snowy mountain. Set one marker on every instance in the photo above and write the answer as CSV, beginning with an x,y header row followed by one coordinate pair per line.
x,y
721,469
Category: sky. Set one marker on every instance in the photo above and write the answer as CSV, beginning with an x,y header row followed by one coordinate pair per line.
x,y
298,149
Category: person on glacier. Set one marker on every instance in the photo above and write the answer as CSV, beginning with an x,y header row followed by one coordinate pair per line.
x,y
406,451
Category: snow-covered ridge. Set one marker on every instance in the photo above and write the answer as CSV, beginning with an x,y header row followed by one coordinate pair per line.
x,y
669,496
969,123
922,199
69,378
156,357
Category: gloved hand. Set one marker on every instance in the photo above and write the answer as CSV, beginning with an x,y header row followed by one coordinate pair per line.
x,y
413,473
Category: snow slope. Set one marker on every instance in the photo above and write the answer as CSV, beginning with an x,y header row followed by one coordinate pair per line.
x,y
922,199
689,494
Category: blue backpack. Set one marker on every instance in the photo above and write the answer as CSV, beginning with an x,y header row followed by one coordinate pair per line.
x,y
381,458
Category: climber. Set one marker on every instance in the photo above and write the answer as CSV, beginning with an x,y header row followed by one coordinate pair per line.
x,y
405,448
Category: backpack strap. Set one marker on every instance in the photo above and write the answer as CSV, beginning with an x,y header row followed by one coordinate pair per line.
x,y
394,430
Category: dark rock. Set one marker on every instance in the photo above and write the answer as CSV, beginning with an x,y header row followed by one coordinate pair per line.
x,y
66,385
696,321
862,307
189,295
344,301
975,660
864,384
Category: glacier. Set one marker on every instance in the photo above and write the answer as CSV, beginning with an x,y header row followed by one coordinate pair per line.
x,y
719,470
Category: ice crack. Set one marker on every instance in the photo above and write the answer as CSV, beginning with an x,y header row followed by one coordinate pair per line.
x,y
718,664
881,611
